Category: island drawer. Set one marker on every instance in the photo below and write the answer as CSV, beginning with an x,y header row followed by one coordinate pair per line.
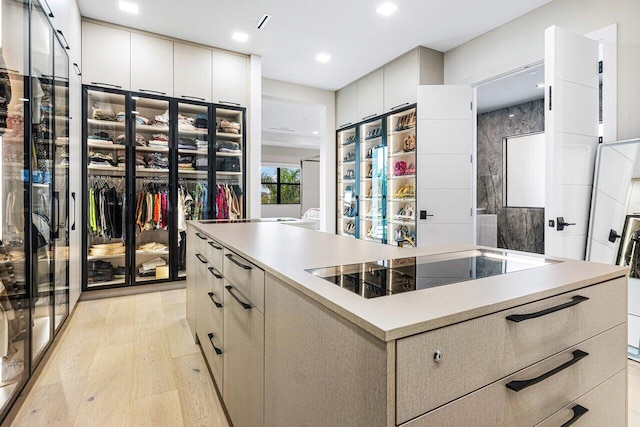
x,y
480,351
200,241
215,254
544,388
212,345
246,277
605,405
214,296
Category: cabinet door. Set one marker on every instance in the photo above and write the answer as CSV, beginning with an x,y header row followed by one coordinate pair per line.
x,y
151,65
370,93
229,78
347,105
192,67
401,78
243,370
106,56
192,280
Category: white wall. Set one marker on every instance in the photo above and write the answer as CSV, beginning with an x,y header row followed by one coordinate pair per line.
x,y
278,90
521,42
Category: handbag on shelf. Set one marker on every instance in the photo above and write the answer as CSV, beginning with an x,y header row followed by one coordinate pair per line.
x,y
231,164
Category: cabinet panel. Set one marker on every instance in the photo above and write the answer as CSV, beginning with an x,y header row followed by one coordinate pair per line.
x,y
401,79
243,370
229,78
347,105
106,56
151,65
192,68
192,280
370,95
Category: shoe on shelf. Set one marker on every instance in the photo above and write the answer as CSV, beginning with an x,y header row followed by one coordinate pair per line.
x,y
411,170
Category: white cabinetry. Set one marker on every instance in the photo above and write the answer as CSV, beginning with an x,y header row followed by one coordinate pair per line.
x,y
151,65
106,56
401,79
192,68
370,95
229,78
347,105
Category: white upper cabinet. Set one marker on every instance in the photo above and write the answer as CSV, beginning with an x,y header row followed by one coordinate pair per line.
x,y
151,65
106,56
229,78
192,68
347,105
401,80
370,95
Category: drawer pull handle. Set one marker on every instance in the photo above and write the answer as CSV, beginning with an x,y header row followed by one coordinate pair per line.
x,y
211,295
238,263
217,350
214,246
577,299
215,273
578,411
201,258
201,236
521,385
243,304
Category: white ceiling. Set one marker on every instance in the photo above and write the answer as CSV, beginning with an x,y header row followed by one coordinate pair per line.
x,y
357,38
291,124
513,90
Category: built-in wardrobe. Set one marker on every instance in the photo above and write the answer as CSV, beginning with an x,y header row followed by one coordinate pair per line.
x,y
34,191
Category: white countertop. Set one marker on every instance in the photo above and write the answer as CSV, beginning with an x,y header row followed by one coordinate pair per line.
x,y
286,252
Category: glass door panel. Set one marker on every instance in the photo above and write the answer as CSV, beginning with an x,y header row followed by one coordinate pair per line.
x,y
106,146
61,180
372,182
194,174
152,191
14,181
42,122
347,191
229,165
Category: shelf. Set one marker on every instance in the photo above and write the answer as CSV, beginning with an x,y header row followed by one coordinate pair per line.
x,y
40,185
95,257
403,200
400,132
228,173
151,129
107,124
139,252
403,153
182,274
140,279
352,162
193,132
113,170
222,135
227,154
187,151
412,222
151,171
371,139
402,177
109,283
192,172
106,145
152,149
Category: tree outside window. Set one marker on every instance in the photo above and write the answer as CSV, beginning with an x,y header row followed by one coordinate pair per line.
x,y
280,186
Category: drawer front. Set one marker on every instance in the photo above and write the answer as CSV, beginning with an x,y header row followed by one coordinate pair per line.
x,y
215,254
477,352
200,240
605,405
498,405
214,352
246,277
201,284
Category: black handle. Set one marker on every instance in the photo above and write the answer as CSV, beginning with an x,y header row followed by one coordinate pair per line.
x,y
107,84
73,224
217,350
369,116
613,236
78,70
201,258
152,91
398,106
214,246
65,39
238,263
243,304
192,97
550,104
201,236
229,103
561,224
211,295
578,411
575,300
215,273
521,385
56,197
344,125
50,11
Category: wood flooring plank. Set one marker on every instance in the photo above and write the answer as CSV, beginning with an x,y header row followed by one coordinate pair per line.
x,y
153,369
149,307
180,338
174,312
634,393
159,410
178,296
200,404
51,405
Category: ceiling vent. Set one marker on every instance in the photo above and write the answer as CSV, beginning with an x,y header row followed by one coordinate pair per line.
x,y
262,22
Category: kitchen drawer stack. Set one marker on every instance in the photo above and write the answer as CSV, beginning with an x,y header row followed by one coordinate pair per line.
x,y
225,307
547,363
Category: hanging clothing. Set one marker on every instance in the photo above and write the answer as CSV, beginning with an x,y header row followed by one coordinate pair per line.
x,y
106,210
152,207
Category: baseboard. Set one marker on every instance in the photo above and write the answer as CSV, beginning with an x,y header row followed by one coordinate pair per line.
x,y
132,290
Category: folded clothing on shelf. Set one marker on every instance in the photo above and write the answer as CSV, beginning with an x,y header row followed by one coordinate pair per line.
x,y
153,247
140,140
140,161
106,114
106,249
228,126
121,117
231,164
201,122
99,271
202,144
163,118
122,156
102,159
148,268
101,136
202,164
228,146
157,161
187,143
185,123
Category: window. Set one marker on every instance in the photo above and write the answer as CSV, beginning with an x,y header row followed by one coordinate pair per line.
x,y
280,186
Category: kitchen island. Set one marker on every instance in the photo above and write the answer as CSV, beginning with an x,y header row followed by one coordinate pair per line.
x,y
308,328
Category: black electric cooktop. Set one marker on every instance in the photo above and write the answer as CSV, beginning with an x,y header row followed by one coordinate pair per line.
x,y
393,276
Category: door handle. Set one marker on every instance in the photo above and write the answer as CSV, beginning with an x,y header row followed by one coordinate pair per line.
x,y
152,91
73,224
578,411
560,224
521,385
613,236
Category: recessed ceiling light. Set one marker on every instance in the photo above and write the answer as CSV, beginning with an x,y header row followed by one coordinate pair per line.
x,y
540,85
323,57
315,132
240,37
128,7
386,9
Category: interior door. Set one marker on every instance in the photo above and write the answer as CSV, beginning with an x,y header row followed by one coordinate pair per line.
x,y
310,181
571,126
444,166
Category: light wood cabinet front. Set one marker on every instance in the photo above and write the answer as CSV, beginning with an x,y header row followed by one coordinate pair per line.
x,y
246,277
106,55
401,80
151,65
347,105
230,79
370,95
192,68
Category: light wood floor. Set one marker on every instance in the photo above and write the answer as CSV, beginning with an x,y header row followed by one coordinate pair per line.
x,y
125,361
131,361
